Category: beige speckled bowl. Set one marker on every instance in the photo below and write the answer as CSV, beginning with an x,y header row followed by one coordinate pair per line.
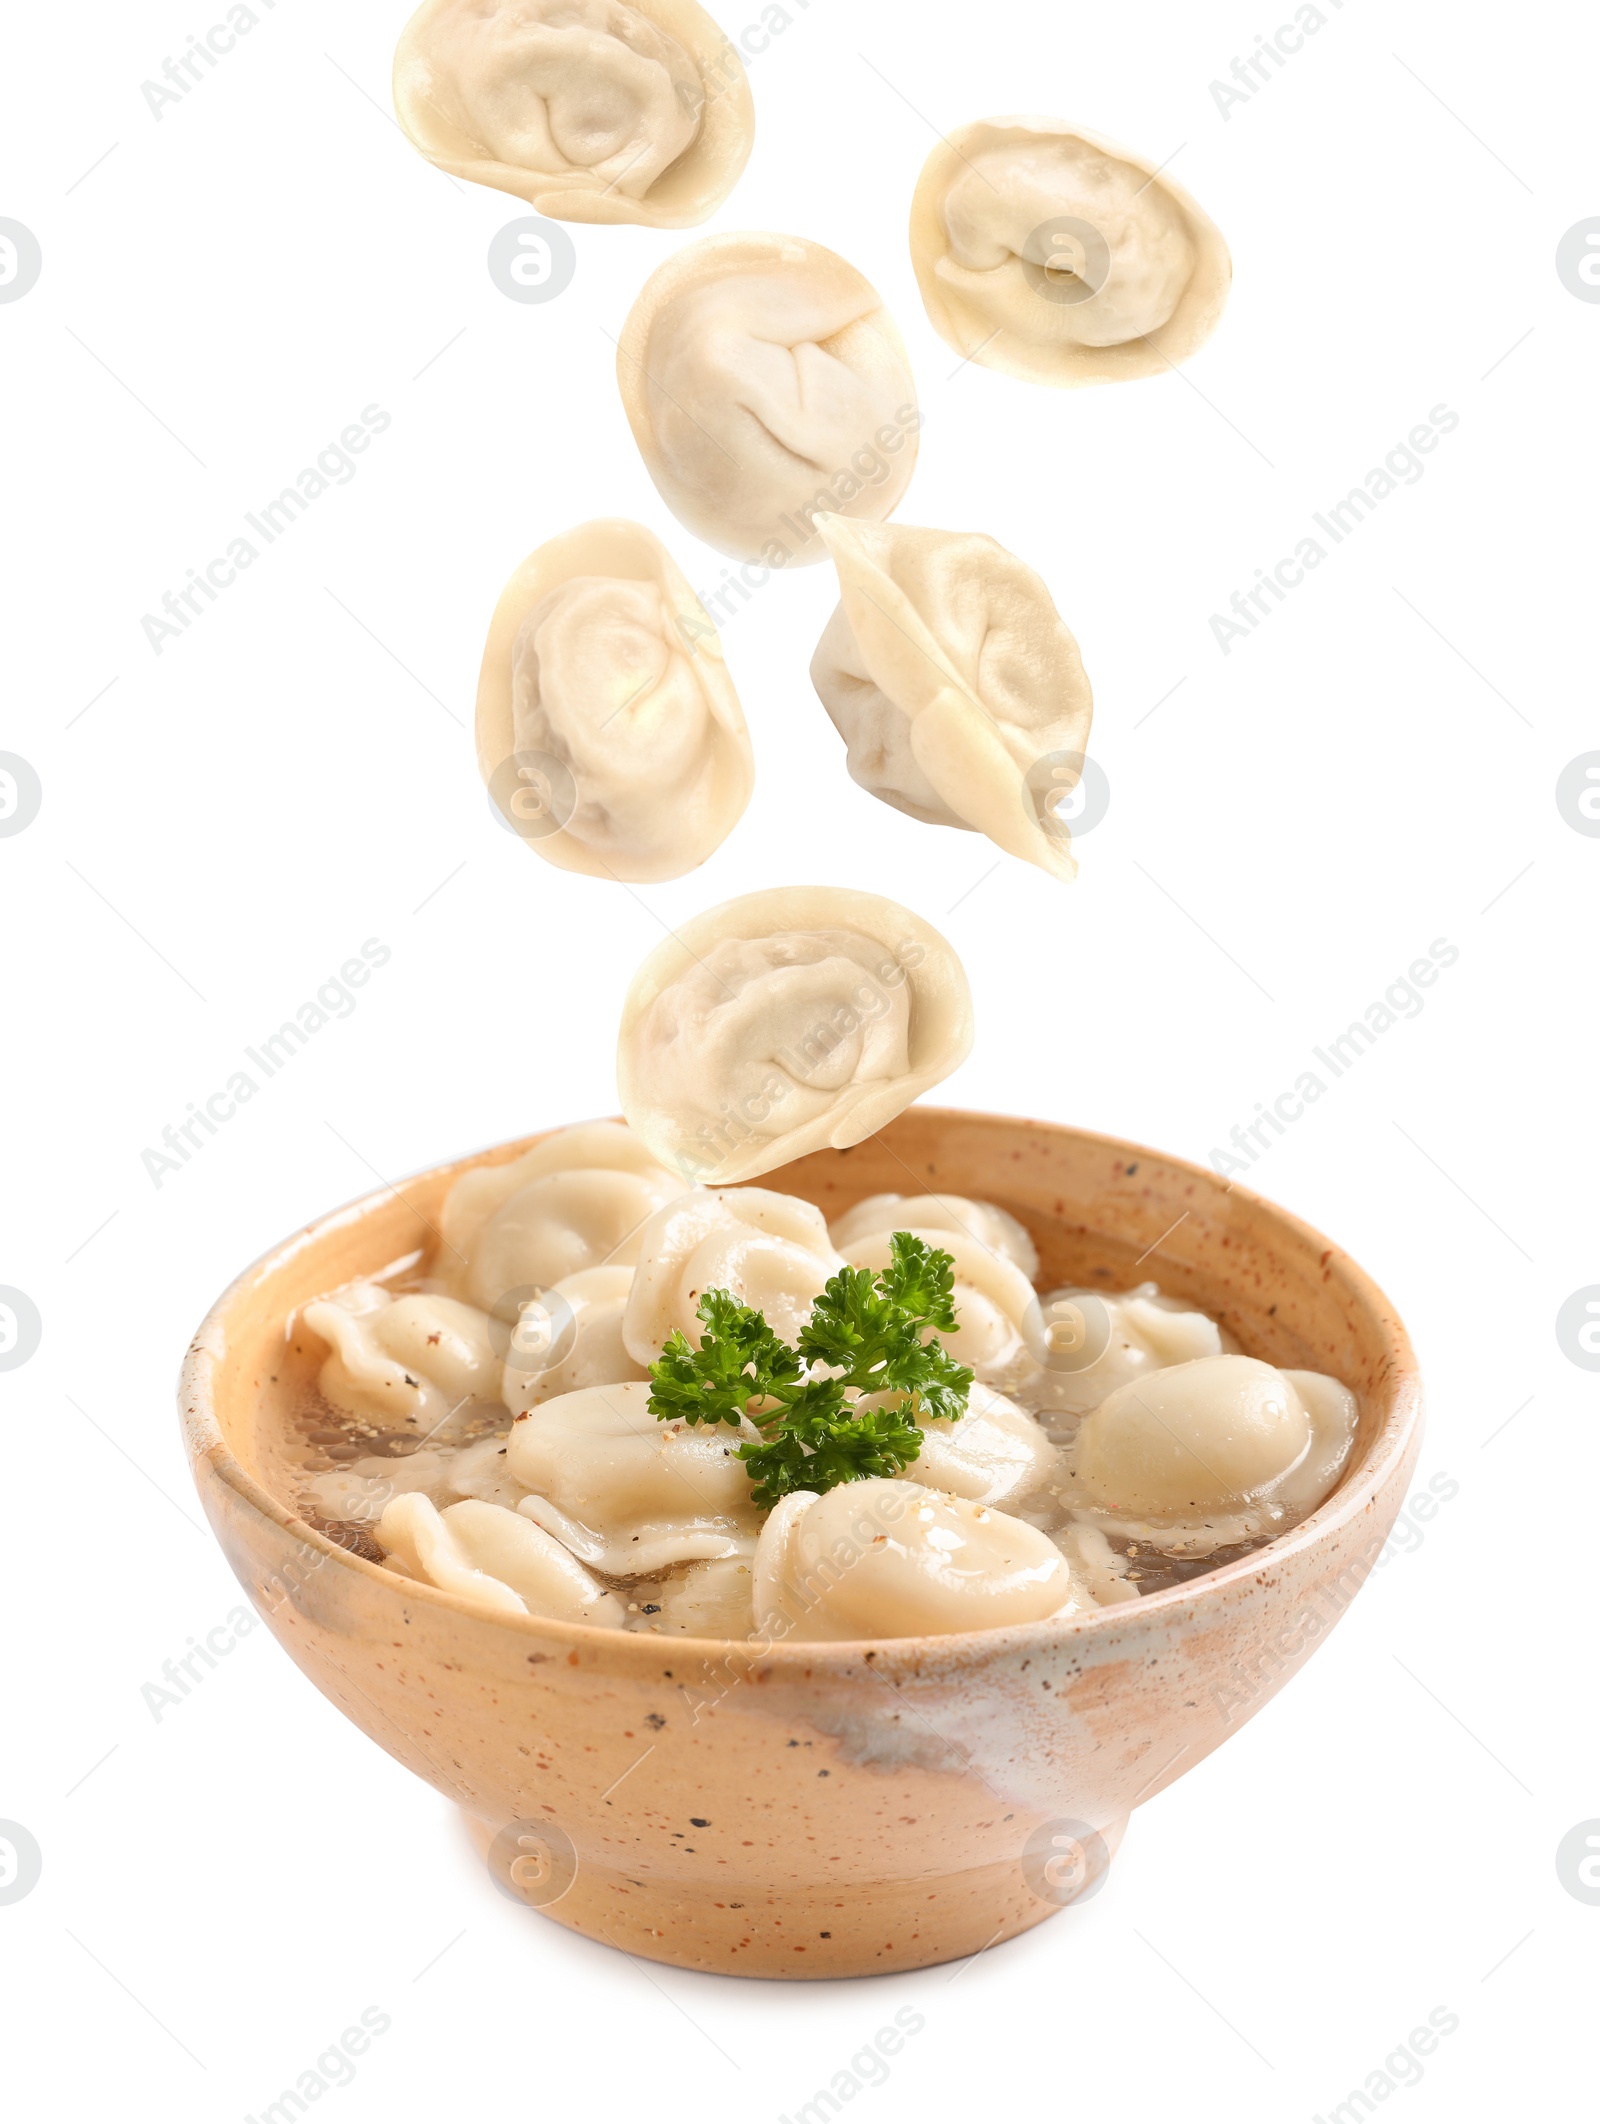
x,y
827,1810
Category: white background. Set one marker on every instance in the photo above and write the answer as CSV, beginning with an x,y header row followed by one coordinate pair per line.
x,y
1374,768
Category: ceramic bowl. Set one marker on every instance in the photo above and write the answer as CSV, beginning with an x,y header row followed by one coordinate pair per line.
x,y
824,1810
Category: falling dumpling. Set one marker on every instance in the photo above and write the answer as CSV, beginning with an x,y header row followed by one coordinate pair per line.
x,y
410,1361
493,1557
569,1336
996,1454
626,1493
784,1022
955,685
1211,1452
1052,255
1091,1342
885,1558
765,382
994,1303
576,1200
608,729
770,1251
591,110
985,1222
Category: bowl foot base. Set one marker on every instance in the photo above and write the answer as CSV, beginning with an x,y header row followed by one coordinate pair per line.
x,y
859,1928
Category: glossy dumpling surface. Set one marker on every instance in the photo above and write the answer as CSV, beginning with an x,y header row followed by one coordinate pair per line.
x,y
493,1557
577,1200
985,1222
1215,1450
955,684
884,1558
770,1251
1056,256
783,1022
626,1493
591,110
410,1361
996,1454
764,382
569,1336
1092,1342
608,729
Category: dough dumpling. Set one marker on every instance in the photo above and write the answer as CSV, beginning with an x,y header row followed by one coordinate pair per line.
x,y
608,729
1214,1451
1092,1342
784,1022
626,1493
955,685
410,1361
985,1222
996,1454
490,1556
576,1200
591,110
764,382
885,1558
1052,255
569,1336
770,1251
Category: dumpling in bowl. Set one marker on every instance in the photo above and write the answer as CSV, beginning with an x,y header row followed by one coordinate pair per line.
x,y
577,1200
1206,1454
568,1337
764,382
1052,255
1089,1343
996,1454
626,1493
770,1251
409,1362
591,110
608,729
885,1558
955,685
490,1556
986,1222
783,1022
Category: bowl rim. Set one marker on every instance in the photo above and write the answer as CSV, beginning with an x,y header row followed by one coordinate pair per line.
x,y
1397,1434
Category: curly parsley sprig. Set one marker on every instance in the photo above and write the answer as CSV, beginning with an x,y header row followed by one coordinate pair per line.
x,y
865,1337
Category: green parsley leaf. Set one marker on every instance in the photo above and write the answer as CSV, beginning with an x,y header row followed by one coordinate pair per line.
x,y
865,1337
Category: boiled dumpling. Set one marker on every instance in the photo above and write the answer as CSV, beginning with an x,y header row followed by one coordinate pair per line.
x,y
994,1303
608,729
626,1493
783,1022
770,1251
570,1336
1211,1452
490,1556
576,1200
985,1222
1050,254
764,382
1092,1342
410,1361
591,110
996,1454
955,685
884,1558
